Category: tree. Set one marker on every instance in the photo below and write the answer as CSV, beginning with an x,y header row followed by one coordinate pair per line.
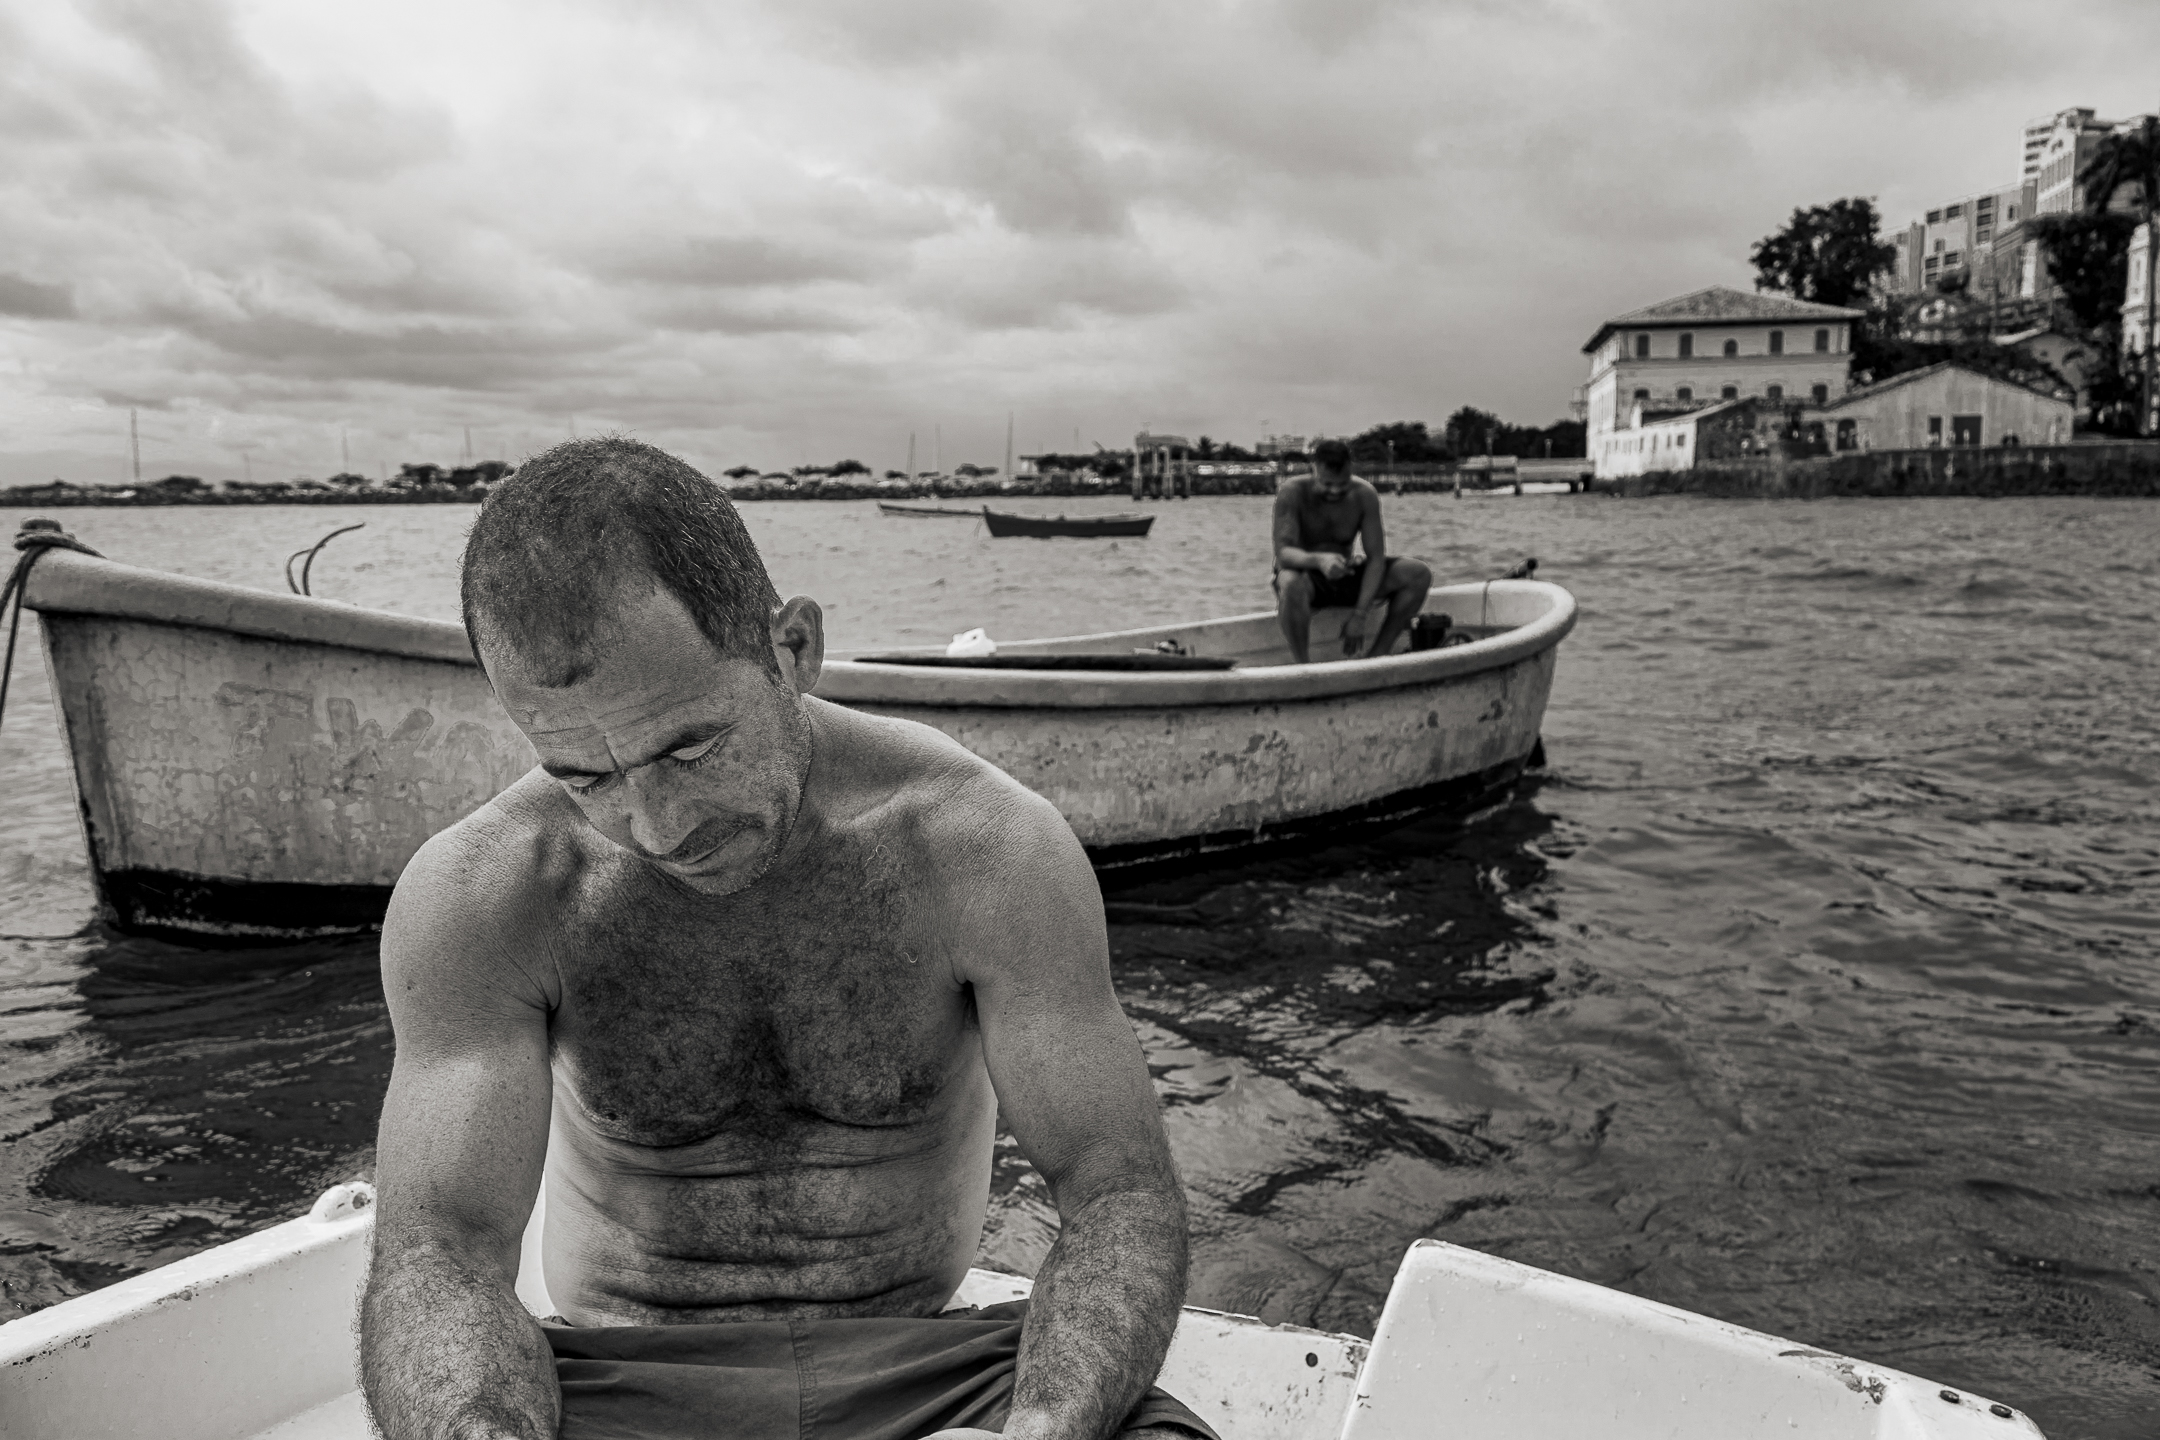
x,y
2088,256
1470,430
849,467
1828,254
1403,441
740,472
2131,158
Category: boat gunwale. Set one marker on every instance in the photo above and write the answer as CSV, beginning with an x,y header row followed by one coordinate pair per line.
x,y
67,583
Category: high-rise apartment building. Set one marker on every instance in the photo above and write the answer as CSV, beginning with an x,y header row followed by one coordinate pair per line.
x,y
1959,236
2065,146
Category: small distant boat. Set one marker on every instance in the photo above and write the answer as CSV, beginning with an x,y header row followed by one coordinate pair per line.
x,y
1525,487
1045,527
939,512
253,1339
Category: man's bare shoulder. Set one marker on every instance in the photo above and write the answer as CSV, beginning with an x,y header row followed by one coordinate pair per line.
x,y
482,892
974,830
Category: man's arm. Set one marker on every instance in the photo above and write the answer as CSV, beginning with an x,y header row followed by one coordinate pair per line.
x,y
1374,539
447,1351
1289,553
1073,1087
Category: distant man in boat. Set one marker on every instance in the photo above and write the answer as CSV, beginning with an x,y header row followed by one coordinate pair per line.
x,y
746,980
1317,519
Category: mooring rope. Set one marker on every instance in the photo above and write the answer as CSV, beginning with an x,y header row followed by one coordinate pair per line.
x,y
300,586
33,540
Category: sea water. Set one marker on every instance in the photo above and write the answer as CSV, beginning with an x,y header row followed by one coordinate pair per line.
x,y
1815,985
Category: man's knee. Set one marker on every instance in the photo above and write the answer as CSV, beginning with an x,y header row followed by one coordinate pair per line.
x,y
1294,590
1410,575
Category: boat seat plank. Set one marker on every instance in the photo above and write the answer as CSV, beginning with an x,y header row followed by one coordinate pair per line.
x,y
1142,661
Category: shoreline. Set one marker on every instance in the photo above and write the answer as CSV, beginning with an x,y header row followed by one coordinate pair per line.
x,y
1031,487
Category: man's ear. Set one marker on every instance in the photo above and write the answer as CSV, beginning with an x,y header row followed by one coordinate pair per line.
x,y
798,638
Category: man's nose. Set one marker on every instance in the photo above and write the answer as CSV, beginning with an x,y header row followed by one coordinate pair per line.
x,y
656,825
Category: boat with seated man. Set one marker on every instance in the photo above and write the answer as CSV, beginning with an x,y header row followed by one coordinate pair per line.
x,y
254,1340
255,766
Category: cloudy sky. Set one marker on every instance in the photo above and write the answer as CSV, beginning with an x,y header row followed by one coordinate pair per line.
x,y
788,232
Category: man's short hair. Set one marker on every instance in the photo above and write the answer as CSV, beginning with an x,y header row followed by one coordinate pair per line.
x,y
556,541
1331,453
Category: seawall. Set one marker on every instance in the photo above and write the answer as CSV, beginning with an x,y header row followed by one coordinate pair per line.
x,y
2128,470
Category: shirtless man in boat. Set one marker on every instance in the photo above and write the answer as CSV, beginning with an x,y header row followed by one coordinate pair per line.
x,y
771,970
1317,516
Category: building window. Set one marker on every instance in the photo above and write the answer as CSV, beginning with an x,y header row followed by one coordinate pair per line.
x,y
1934,431
1687,347
2009,213
1953,259
1774,393
1939,246
1951,212
1848,435
1642,394
1685,393
1777,342
1983,237
1934,217
1821,394
1822,341
1732,348
1730,392
1642,347
1965,429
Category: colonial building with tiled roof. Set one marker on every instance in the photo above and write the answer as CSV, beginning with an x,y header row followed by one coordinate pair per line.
x,y
1710,346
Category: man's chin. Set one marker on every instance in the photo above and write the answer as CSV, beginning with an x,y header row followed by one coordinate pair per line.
x,y
733,865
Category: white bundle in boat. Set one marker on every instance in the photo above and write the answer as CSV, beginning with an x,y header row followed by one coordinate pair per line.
x,y
971,645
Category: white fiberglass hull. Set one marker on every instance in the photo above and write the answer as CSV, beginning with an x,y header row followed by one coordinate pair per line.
x,y
253,1339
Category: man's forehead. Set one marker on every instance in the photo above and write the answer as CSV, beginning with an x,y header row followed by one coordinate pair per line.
x,y
602,705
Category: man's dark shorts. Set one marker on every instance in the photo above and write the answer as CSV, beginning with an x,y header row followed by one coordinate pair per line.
x,y
1341,592
881,1379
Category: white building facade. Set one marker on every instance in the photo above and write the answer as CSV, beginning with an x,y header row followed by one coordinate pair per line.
x,y
2141,301
1702,349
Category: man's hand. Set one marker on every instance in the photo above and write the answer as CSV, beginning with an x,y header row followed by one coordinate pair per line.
x,y
1358,634
1331,566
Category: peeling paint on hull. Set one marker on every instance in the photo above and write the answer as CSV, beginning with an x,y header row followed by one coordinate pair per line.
x,y
259,768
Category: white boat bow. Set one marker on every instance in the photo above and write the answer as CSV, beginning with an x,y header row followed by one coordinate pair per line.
x,y
254,1340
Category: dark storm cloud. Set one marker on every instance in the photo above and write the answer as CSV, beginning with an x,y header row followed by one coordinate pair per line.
x,y
741,262
1030,162
34,301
